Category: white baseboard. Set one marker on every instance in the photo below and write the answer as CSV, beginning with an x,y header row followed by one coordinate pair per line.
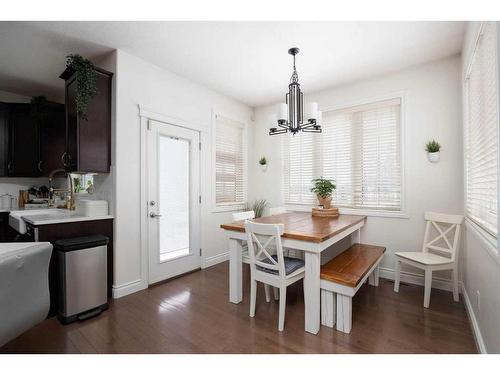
x,y
475,326
416,279
128,288
216,259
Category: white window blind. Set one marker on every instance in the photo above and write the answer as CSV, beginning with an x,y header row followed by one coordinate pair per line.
x,y
359,149
481,132
230,163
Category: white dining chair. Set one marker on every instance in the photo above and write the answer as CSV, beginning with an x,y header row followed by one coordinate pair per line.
x,y
277,210
439,252
275,270
245,215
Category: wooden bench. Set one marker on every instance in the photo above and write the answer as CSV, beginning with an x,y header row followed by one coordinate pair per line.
x,y
342,277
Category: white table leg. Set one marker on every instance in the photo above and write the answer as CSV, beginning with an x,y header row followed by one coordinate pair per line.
x,y
235,271
312,292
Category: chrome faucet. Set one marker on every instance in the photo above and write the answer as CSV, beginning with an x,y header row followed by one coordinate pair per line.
x,y
70,203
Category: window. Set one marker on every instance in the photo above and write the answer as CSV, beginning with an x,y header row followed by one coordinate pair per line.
x,y
230,162
360,149
481,132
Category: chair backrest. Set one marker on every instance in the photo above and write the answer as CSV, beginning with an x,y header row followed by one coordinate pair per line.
x,y
260,238
237,216
277,210
442,234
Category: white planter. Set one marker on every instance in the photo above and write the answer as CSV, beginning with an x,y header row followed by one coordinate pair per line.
x,y
433,157
263,168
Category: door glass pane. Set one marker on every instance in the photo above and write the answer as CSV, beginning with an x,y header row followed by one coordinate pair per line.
x,y
173,202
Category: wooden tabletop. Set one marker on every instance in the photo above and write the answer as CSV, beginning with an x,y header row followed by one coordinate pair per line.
x,y
303,226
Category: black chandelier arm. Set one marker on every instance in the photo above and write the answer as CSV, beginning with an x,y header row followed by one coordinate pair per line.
x,y
275,131
310,124
312,130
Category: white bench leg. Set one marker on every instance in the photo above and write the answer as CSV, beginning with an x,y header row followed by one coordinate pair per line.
x,y
373,278
328,307
276,293
397,276
344,313
267,290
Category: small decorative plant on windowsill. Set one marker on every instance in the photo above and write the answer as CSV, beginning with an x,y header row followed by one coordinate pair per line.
x,y
323,188
257,207
263,164
432,148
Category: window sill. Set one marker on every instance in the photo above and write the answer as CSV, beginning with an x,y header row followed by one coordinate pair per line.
x,y
489,241
352,211
228,208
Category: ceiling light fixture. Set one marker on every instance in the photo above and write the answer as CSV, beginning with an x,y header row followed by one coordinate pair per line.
x,y
291,113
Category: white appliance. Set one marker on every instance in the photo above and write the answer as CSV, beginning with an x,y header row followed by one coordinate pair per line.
x,y
24,287
87,207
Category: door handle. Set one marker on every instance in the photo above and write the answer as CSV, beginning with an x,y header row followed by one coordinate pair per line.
x,y
153,215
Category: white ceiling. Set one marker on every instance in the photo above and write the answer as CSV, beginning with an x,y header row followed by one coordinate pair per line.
x,y
244,60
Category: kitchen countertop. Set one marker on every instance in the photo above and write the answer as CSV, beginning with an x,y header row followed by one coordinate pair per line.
x,y
44,219
54,216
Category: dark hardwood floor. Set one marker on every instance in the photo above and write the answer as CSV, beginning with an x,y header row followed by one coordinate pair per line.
x,y
192,314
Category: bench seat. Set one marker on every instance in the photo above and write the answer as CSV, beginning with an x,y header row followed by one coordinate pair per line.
x,y
342,277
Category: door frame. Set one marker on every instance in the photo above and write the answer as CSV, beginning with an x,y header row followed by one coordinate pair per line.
x,y
146,114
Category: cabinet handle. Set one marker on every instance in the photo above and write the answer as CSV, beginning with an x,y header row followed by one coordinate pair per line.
x,y
40,169
63,159
9,166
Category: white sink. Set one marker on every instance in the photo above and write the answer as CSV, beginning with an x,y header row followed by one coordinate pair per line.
x,y
16,217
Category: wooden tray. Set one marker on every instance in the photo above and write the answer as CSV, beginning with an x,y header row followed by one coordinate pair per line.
x,y
325,212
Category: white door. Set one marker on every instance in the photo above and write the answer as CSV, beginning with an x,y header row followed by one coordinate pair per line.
x,y
173,200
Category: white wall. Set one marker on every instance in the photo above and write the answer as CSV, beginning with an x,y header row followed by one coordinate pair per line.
x,y
481,267
141,83
432,109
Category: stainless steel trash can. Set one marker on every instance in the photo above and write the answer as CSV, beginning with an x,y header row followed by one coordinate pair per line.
x,y
82,274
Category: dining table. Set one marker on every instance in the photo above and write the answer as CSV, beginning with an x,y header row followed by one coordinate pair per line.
x,y
302,232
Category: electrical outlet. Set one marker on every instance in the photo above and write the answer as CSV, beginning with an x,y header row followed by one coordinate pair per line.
x,y
478,295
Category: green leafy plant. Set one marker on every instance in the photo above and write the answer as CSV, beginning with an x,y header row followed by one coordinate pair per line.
x,y
432,146
257,207
323,187
263,161
86,82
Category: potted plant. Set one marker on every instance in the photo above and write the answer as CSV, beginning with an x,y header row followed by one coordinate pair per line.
x,y
263,163
86,82
432,148
257,207
323,188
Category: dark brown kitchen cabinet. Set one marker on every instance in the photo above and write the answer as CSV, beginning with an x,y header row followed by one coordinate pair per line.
x,y
24,148
31,144
52,138
88,141
4,138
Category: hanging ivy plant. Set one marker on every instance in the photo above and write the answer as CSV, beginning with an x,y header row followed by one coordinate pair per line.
x,y
86,82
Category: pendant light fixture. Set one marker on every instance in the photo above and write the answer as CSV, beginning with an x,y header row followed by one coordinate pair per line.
x,y
291,113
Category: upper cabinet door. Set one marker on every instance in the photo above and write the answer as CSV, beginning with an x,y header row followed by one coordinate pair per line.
x,y
52,139
88,141
4,139
24,153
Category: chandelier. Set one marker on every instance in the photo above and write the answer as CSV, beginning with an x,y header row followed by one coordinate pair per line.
x,y
291,113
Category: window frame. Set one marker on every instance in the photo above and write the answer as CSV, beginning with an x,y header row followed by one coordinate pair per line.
x,y
489,241
402,213
231,206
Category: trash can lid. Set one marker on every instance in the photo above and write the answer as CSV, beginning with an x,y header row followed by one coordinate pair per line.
x,y
78,243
